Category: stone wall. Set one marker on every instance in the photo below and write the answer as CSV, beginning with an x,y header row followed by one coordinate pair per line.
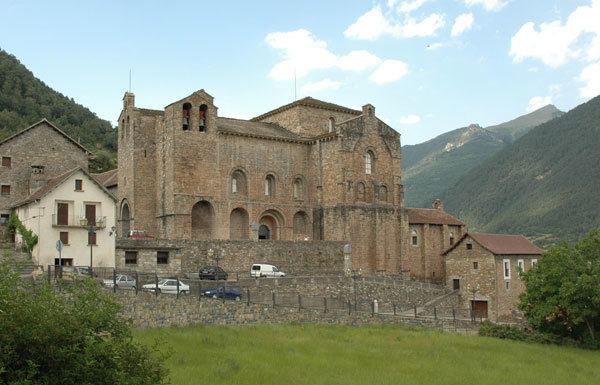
x,y
185,256
148,311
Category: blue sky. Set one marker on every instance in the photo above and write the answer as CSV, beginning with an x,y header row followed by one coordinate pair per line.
x,y
428,66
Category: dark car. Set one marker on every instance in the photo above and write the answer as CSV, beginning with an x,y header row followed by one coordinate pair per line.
x,y
213,272
227,292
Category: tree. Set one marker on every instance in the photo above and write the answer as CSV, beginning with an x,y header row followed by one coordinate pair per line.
x,y
562,294
72,336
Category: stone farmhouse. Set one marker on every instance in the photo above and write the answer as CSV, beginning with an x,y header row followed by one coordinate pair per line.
x,y
43,177
485,270
309,171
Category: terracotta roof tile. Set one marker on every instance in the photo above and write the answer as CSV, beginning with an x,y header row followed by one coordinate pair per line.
x,y
432,217
107,178
309,102
246,127
502,244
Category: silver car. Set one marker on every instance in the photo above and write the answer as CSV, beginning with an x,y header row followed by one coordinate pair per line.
x,y
168,286
122,281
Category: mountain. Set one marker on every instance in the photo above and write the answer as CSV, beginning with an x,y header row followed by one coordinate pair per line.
x,y
544,185
430,168
24,100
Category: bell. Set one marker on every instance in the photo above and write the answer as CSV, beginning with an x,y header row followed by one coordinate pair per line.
x,y
185,121
201,122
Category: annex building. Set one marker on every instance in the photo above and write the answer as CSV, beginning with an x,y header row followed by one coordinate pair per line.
x,y
307,171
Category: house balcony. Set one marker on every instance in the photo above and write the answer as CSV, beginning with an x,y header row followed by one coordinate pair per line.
x,y
78,222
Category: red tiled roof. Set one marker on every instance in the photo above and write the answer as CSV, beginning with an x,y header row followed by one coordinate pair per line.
x,y
309,102
432,217
107,178
502,244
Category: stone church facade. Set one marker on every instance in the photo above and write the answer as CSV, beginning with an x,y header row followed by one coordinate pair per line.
x,y
306,171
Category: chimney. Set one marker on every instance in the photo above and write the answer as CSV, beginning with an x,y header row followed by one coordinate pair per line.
x,y
438,204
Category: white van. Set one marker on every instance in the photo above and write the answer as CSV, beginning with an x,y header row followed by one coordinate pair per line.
x,y
264,270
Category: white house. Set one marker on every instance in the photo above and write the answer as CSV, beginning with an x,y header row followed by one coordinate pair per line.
x,y
62,210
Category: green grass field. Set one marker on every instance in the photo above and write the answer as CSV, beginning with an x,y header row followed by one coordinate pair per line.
x,y
313,354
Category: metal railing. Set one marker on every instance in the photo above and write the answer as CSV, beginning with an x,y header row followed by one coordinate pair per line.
x,y
77,221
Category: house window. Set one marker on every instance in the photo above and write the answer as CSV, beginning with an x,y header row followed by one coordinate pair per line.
x,y
62,214
506,264
162,257
234,189
5,189
270,185
521,266
131,257
78,185
298,189
507,285
369,162
6,161
64,237
37,169
383,193
475,265
92,238
469,246
456,284
90,214
414,238
533,262
4,218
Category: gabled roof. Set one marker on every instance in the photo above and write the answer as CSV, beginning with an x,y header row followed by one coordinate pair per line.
x,y
107,178
309,102
431,217
51,125
54,183
501,244
259,129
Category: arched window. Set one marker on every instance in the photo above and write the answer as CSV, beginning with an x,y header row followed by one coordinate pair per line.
x,y
202,121
414,238
331,124
369,158
270,185
383,193
360,191
202,220
298,189
238,183
185,116
125,220
238,224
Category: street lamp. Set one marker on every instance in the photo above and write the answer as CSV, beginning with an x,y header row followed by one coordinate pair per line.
x,y
216,255
91,232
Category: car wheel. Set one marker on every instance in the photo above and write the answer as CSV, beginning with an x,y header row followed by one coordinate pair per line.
x,y
133,288
215,296
183,292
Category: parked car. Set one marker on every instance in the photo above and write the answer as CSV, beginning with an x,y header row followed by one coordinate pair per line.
x,y
213,272
224,291
168,285
74,272
123,281
265,270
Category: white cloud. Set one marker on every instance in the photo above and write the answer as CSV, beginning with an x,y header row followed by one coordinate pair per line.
x,y
389,71
555,43
538,102
357,61
462,24
373,24
489,5
408,6
410,119
321,85
302,52
590,75
434,46
425,27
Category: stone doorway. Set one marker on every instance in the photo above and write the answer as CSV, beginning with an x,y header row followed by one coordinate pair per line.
x,y
264,232
479,309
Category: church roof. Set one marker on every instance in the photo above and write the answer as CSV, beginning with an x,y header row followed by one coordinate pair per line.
x,y
257,129
502,244
432,217
309,102
53,127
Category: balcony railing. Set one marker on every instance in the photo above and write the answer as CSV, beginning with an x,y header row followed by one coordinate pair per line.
x,y
77,221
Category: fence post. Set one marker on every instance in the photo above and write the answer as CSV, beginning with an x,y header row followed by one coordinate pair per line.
x,y
349,307
299,302
273,298
325,304
394,308
199,291
114,280
453,315
137,282
156,284
49,273
237,276
177,281
435,313
415,311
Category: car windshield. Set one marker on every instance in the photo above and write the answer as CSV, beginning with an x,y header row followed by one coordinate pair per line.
x,y
256,267
162,281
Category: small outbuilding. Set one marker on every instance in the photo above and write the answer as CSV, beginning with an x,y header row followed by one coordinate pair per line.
x,y
485,269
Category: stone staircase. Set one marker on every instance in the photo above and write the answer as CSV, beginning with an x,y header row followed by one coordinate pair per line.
x,y
20,261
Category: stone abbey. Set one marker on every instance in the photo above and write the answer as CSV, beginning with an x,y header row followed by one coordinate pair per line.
x,y
306,171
